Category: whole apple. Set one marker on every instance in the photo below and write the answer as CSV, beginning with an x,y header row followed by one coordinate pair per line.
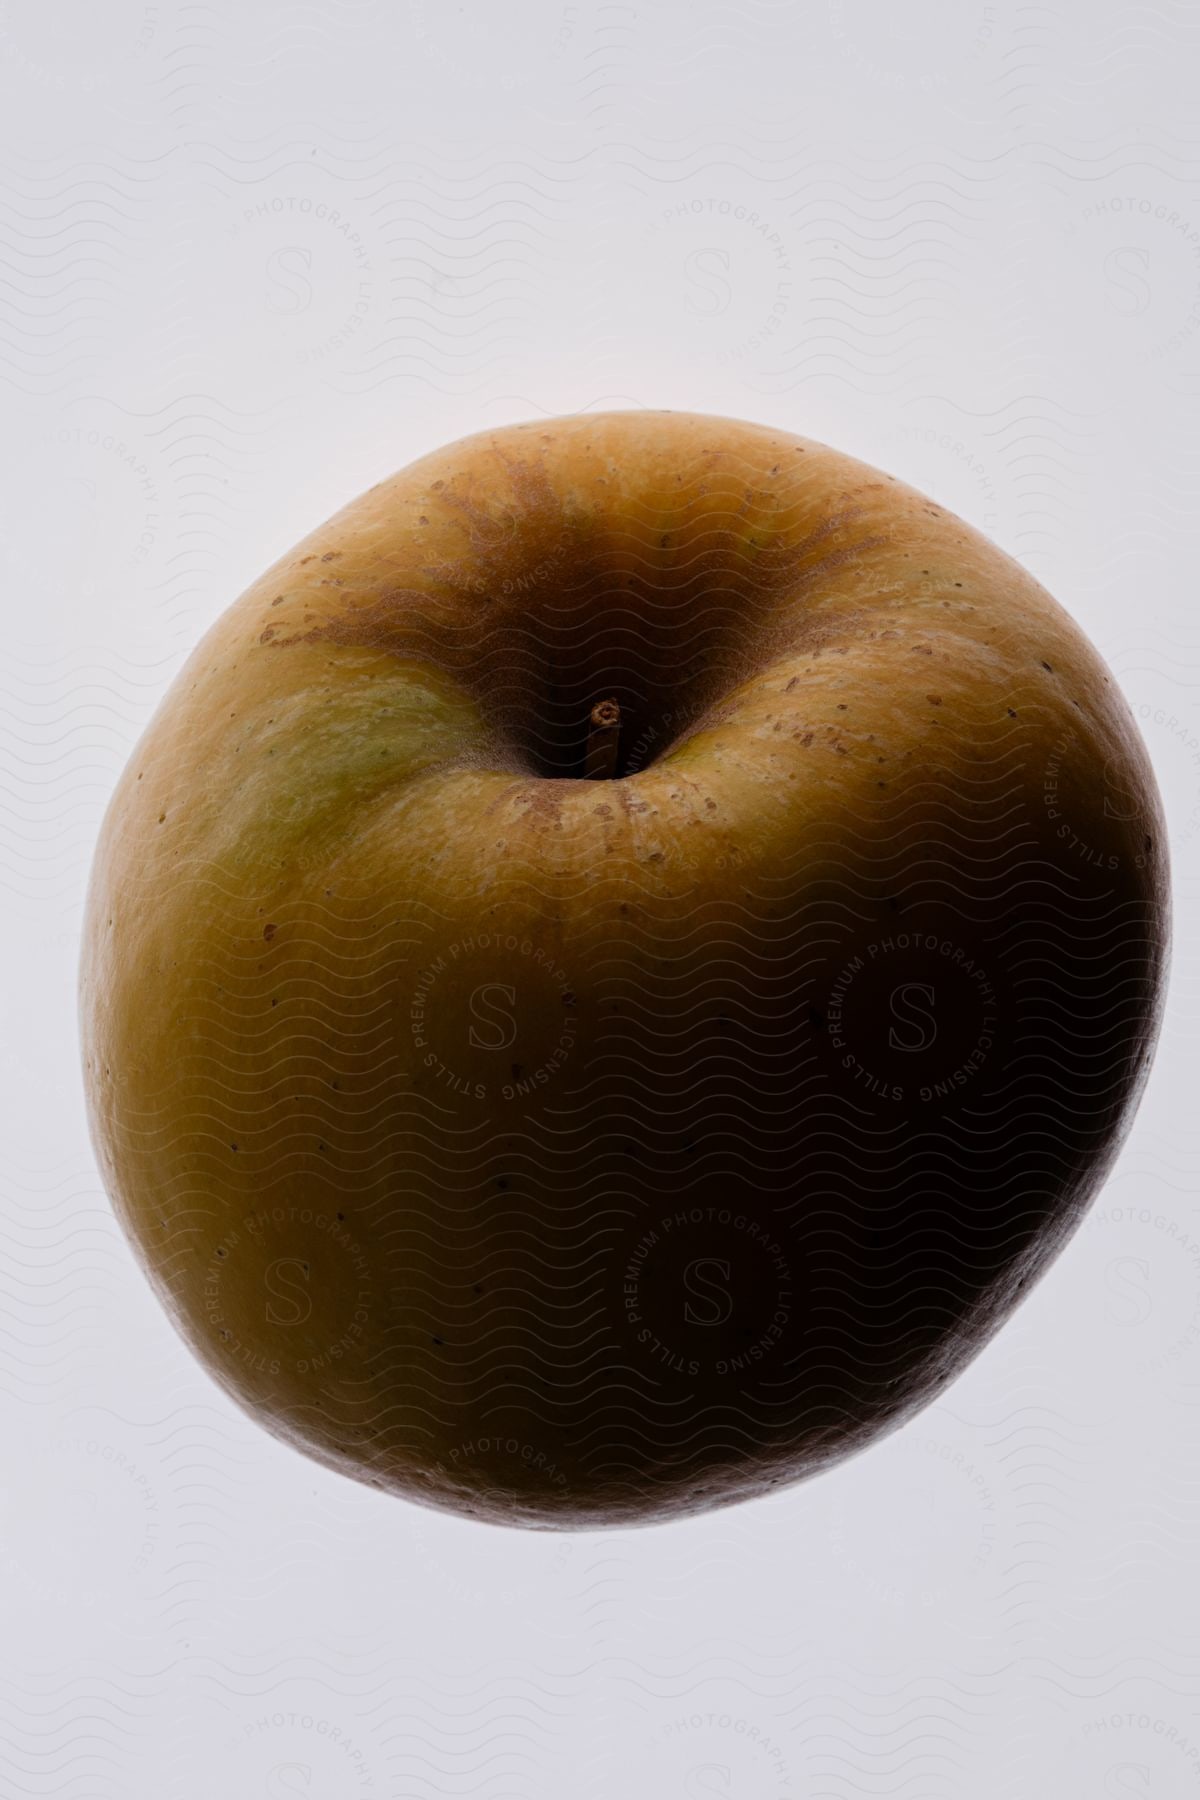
x,y
615,965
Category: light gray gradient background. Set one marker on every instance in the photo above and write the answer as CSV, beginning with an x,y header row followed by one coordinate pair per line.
x,y
253,257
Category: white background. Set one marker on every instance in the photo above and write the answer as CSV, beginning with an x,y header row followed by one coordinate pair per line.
x,y
255,256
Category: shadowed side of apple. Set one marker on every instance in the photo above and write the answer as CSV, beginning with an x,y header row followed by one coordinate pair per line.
x,y
616,964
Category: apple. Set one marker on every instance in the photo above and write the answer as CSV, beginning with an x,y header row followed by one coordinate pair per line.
x,y
616,964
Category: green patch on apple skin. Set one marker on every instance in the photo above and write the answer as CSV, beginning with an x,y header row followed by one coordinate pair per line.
x,y
327,751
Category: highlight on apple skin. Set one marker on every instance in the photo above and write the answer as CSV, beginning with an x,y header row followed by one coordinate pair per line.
x,y
616,964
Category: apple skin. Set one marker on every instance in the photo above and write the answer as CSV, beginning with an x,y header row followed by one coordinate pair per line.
x,y
573,1153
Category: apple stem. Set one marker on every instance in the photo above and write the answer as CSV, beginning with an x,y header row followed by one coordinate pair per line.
x,y
604,730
